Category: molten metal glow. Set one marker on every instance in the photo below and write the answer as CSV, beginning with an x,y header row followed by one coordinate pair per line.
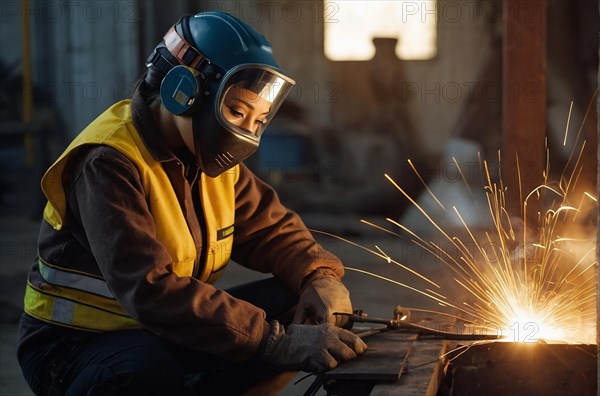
x,y
526,285
526,280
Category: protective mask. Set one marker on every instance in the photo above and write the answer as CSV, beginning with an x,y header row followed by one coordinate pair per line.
x,y
234,113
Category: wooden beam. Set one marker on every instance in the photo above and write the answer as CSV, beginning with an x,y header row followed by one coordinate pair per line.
x,y
524,101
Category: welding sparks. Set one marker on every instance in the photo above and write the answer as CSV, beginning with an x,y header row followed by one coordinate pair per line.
x,y
388,258
528,278
542,289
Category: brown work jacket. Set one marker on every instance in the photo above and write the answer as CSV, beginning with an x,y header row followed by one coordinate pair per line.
x,y
106,206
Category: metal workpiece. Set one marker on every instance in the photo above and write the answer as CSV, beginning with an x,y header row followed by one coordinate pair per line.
x,y
400,323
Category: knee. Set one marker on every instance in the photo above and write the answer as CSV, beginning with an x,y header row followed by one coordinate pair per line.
x,y
150,375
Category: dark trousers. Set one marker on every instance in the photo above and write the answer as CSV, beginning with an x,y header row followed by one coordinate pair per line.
x,y
57,361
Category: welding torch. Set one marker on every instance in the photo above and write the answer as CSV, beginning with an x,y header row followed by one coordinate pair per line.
x,y
401,323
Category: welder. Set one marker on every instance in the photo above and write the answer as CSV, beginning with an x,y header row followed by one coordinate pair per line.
x,y
146,208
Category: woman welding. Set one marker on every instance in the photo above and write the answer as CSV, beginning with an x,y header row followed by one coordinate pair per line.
x,y
146,208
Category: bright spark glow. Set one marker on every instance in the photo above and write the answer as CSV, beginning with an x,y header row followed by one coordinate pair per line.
x,y
544,288
388,258
529,280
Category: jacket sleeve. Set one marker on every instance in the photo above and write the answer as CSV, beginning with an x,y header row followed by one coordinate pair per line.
x,y
272,238
107,200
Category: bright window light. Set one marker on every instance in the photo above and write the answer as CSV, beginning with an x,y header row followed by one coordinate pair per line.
x,y
351,25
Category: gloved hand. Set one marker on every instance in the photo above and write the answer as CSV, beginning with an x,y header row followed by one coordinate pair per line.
x,y
311,348
320,299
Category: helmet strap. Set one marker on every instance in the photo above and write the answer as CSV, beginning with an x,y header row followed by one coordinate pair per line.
x,y
183,51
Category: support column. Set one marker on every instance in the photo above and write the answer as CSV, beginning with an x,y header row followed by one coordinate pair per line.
x,y
524,101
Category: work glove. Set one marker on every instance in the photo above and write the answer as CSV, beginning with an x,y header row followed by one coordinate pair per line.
x,y
320,299
310,348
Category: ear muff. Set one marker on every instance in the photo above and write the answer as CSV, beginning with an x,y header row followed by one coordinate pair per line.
x,y
180,90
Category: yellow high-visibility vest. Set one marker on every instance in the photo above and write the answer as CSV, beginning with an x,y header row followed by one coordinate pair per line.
x,y
68,296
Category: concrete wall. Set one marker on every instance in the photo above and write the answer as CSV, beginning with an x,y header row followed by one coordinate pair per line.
x,y
84,53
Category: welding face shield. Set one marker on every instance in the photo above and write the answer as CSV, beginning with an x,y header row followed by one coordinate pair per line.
x,y
228,126
221,73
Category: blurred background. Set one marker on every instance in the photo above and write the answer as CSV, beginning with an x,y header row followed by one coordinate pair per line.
x,y
378,82
382,87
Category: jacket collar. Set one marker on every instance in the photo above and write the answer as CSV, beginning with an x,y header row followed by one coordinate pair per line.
x,y
148,130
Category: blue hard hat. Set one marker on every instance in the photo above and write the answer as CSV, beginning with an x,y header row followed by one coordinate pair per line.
x,y
206,58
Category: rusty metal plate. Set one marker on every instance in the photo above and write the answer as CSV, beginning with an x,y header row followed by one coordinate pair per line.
x,y
504,368
383,360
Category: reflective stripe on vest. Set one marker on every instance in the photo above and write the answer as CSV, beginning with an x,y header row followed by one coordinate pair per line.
x,y
46,306
78,299
74,280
